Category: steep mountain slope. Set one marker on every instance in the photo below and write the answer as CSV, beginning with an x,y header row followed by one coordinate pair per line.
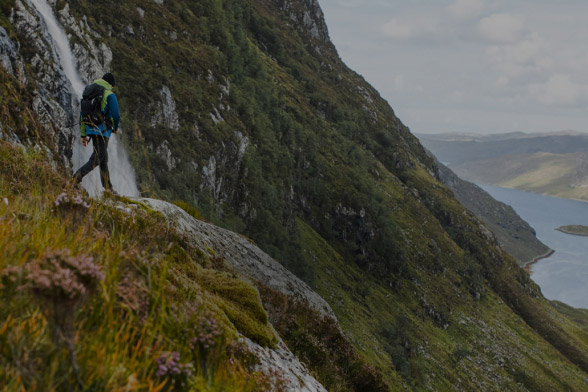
x,y
554,164
154,310
244,110
512,232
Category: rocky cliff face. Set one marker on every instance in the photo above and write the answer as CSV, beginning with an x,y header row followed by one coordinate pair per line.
x,y
252,263
52,90
243,110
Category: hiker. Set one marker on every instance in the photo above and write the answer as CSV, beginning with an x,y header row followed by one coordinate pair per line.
x,y
99,118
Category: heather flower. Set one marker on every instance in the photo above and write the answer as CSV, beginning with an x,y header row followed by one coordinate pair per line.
x,y
168,365
64,200
59,274
208,330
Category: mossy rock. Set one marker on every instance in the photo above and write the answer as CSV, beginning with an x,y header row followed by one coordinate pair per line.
x,y
241,303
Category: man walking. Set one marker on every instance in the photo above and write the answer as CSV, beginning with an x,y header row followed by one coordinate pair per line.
x,y
98,126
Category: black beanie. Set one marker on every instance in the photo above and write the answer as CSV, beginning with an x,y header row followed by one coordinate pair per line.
x,y
109,78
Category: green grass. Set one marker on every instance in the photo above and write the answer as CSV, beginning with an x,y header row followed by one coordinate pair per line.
x,y
334,187
154,297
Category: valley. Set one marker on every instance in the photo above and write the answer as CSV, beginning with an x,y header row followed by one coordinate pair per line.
x,y
554,164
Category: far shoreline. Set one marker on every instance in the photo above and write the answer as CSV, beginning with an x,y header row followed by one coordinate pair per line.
x,y
528,191
566,231
527,266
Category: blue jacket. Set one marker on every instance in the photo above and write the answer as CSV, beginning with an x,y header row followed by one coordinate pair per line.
x,y
109,108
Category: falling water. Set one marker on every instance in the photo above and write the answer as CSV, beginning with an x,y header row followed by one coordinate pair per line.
x,y
122,174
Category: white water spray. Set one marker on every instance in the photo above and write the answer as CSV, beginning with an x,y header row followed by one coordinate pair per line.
x,y
122,174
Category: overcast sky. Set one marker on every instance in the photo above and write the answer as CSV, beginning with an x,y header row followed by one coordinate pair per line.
x,y
484,66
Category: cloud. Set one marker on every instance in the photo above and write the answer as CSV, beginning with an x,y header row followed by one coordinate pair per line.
x,y
409,29
398,30
525,58
466,9
559,90
435,23
519,57
502,28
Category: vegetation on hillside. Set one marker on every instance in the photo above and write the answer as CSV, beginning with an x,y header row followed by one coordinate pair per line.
x,y
103,295
513,234
331,184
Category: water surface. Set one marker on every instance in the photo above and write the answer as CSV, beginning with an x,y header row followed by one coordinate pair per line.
x,y
564,275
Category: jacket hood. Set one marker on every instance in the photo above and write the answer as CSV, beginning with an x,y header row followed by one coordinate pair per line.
x,y
103,83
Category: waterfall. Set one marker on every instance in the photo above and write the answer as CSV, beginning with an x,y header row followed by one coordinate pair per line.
x,y
122,174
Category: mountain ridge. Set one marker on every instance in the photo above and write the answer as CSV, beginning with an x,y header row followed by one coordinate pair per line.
x,y
280,141
552,164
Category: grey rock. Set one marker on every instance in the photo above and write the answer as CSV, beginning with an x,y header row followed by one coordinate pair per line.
x,y
293,374
216,116
309,18
8,52
93,57
52,101
164,152
223,170
165,112
247,259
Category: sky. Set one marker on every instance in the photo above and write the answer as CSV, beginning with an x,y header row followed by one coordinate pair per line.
x,y
476,66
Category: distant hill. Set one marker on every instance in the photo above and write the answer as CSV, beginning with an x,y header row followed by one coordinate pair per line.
x,y
555,164
515,235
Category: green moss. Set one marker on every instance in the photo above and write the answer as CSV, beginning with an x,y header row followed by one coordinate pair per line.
x,y
240,301
155,291
189,209
318,342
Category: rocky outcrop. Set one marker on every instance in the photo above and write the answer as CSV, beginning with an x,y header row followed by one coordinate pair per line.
x,y
245,257
307,16
8,54
288,373
223,168
251,262
52,100
93,56
165,111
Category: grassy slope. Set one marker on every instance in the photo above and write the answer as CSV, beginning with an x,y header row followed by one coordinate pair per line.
x,y
514,235
415,282
156,295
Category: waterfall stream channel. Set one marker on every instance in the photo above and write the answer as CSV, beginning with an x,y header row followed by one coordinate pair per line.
x,y
122,174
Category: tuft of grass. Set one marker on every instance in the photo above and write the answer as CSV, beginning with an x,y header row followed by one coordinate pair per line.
x,y
193,211
141,326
